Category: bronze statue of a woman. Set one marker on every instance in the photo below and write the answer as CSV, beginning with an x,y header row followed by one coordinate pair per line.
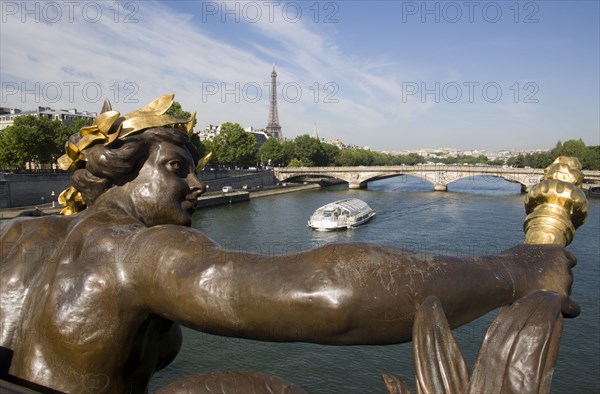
x,y
103,292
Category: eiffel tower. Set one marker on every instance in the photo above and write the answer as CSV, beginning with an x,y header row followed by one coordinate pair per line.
x,y
273,127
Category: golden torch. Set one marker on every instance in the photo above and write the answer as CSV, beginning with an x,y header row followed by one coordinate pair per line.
x,y
556,206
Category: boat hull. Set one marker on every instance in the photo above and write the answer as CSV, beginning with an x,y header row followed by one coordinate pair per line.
x,y
318,227
341,215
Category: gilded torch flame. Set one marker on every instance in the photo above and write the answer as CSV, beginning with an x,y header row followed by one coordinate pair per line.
x,y
556,206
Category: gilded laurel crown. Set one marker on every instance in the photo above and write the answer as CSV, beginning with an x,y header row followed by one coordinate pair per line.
x,y
109,127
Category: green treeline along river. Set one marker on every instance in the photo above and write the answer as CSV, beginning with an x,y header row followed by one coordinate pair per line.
x,y
476,216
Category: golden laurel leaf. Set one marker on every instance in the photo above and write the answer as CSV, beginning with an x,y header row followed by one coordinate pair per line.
x,y
203,162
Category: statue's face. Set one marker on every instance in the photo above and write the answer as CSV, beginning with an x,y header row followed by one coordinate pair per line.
x,y
166,188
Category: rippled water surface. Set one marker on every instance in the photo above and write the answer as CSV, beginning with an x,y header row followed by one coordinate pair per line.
x,y
476,216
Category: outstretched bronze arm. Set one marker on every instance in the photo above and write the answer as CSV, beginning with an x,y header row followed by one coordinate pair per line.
x,y
337,294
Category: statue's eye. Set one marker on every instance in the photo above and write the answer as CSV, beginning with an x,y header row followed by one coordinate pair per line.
x,y
179,167
175,166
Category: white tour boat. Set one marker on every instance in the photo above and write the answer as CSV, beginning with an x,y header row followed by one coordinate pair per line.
x,y
347,213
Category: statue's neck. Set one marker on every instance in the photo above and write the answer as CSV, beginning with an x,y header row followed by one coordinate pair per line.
x,y
116,203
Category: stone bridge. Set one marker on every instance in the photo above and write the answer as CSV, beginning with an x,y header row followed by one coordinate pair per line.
x,y
439,175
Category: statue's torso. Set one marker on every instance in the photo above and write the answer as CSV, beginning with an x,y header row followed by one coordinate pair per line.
x,y
71,309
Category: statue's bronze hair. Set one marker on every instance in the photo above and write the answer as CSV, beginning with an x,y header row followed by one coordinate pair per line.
x,y
120,162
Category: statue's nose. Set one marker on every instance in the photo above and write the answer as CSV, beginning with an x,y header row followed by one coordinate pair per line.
x,y
196,186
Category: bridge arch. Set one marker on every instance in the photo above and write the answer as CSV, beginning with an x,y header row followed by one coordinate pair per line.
x,y
440,181
423,177
304,176
511,179
355,180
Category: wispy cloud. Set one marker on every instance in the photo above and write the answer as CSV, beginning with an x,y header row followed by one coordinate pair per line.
x,y
165,51
216,68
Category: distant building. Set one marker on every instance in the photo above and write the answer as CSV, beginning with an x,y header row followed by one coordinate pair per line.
x,y
315,134
66,116
260,135
7,116
441,153
209,132
337,142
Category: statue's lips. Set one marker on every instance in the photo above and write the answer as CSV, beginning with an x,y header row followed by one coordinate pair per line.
x,y
190,202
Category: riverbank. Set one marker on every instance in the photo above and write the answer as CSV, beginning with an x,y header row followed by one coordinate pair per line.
x,y
37,210
209,199
274,190
219,198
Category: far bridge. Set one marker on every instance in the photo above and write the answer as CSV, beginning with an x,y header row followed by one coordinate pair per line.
x,y
439,175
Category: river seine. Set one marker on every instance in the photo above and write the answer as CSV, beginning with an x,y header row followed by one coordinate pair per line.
x,y
476,216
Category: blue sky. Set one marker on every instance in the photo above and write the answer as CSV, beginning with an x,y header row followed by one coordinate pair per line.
x,y
390,75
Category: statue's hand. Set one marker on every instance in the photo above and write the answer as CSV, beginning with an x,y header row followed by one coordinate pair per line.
x,y
547,267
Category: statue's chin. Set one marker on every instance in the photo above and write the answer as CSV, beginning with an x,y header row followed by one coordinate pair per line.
x,y
189,208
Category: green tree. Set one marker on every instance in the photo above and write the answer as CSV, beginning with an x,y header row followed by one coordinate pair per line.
x,y
177,111
380,159
538,159
483,159
272,152
12,153
233,145
516,161
346,158
412,159
574,148
34,140
593,160
309,151
465,159
331,153
296,163
363,157
289,149
588,156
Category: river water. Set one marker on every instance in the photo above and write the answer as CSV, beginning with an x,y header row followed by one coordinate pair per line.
x,y
476,216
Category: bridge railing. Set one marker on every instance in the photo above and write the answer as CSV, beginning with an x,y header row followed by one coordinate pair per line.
x,y
437,174
593,174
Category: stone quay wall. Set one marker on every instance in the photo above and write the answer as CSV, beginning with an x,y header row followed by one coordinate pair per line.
x,y
21,190
24,190
250,179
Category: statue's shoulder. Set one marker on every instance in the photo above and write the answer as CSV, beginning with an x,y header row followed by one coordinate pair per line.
x,y
14,229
